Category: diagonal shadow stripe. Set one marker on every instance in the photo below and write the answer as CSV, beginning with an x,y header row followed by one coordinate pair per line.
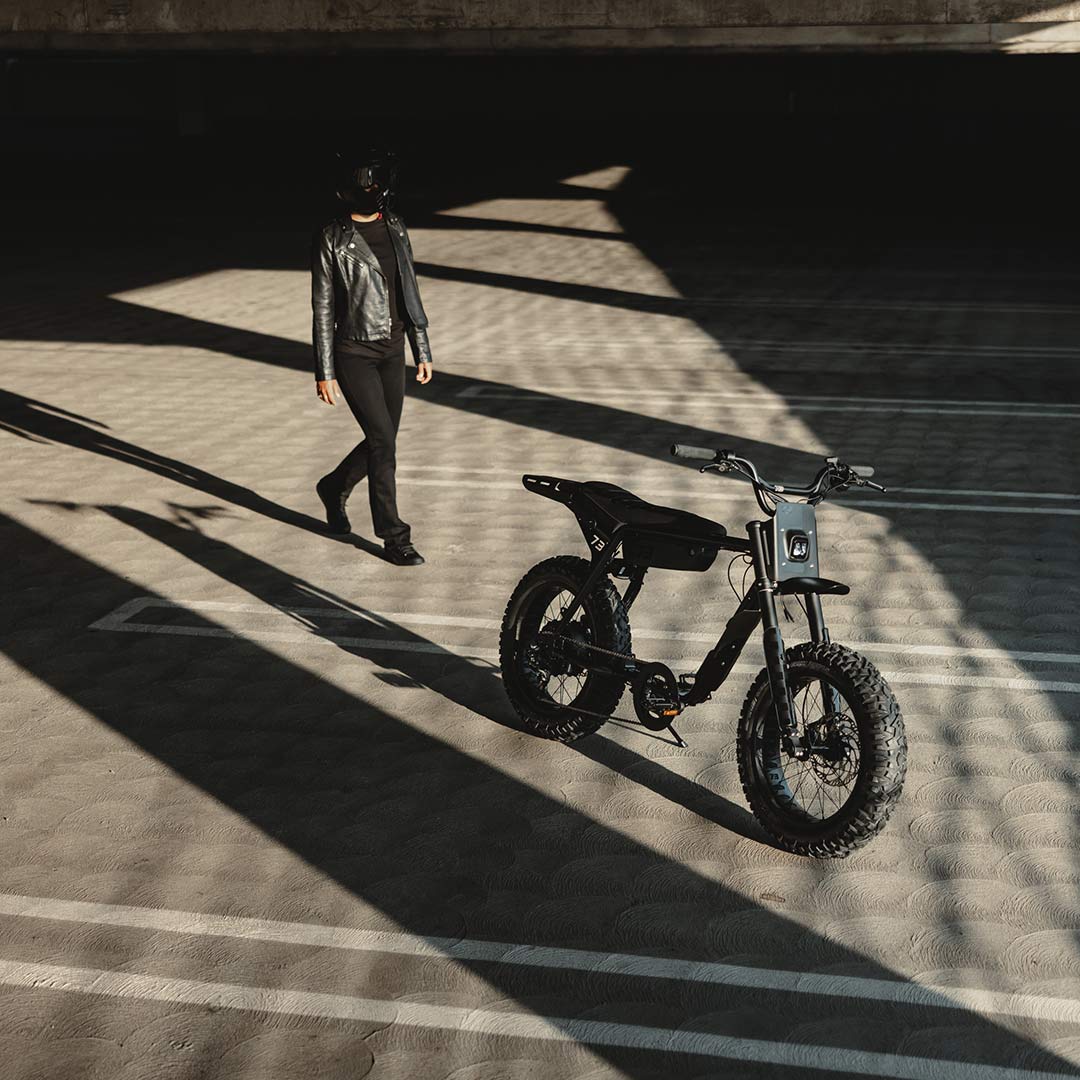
x,y
320,741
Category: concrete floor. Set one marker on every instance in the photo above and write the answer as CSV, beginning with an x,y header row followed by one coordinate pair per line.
x,y
265,808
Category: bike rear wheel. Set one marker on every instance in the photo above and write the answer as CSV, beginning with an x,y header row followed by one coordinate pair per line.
x,y
553,693
840,796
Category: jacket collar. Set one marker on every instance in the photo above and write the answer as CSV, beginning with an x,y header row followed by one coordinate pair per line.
x,y
388,216
347,220
356,240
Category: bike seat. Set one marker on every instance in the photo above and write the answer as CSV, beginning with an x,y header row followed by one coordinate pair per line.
x,y
611,506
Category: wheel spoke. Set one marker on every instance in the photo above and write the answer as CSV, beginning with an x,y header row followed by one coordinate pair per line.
x,y
803,774
818,786
832,790
558,688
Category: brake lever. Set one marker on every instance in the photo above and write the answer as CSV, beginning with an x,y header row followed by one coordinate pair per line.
x,y
854,480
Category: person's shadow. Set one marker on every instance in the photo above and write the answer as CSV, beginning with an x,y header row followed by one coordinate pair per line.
x,y
39,421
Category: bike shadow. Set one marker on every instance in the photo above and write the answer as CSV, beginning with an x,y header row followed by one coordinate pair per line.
x,y
471,682
675,789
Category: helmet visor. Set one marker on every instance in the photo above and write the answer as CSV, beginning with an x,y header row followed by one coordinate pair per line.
x,y
375,175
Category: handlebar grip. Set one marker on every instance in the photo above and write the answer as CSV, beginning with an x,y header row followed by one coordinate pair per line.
x,y
695,453
865,471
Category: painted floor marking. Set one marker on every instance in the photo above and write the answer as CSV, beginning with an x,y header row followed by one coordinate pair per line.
x,y
989,494
419,618
756,397
975,508
719,346
857,502
705,399
641,476
694,401
985,307
266,999
121,620
896,991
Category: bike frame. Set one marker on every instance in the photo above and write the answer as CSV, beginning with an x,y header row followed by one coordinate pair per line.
x,y
758,606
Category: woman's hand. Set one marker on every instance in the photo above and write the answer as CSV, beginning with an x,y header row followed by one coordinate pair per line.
x,y
423,373
327,389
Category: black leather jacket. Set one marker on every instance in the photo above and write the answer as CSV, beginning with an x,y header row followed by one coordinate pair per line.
x,y
349,295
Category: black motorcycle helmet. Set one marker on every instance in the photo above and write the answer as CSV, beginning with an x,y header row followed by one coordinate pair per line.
x,y
366,179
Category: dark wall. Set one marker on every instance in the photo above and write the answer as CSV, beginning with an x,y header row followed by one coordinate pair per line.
x,y
975,133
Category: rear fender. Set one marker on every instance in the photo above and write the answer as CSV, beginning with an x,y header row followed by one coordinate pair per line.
x,y
563,491
551,487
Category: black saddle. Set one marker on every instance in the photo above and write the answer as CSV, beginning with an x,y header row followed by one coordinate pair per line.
x,y
608,506
613,506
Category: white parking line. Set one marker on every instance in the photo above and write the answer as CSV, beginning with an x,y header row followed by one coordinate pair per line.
x,y
864,349
981,682
897,991
857,502
693,401
309,634
419,618
985,493
975,508
832,302
641,476
755,396
702,399
266,999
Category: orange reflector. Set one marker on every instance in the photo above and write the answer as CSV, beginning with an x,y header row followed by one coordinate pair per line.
x,y
670,712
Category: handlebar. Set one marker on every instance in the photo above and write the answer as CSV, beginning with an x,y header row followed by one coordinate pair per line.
x,y
833,476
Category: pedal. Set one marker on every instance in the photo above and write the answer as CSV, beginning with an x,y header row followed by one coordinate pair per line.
x,y
686,684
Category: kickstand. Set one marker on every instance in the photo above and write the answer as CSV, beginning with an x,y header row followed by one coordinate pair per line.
x,y
677,736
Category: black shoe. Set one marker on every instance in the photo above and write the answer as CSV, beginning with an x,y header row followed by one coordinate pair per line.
x,y
333,498
403,554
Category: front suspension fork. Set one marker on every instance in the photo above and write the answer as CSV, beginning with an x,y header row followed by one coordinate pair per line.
x,y
820,632
773,646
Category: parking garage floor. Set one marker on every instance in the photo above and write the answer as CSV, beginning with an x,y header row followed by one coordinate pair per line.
x,y
267,811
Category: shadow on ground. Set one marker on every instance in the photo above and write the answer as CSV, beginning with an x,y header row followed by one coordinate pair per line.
x,y
390,781
350,789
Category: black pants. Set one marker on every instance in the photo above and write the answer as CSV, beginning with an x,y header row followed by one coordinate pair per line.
x,y
374,387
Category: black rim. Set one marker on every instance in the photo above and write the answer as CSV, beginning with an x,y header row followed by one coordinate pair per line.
x,y
548,676
816,789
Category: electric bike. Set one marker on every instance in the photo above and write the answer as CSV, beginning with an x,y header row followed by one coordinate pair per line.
x,y
820,741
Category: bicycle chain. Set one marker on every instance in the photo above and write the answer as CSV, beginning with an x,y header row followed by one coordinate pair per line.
x,y
596,648
606,652
586,645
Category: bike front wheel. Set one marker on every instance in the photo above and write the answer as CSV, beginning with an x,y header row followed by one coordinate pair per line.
x,y
838,797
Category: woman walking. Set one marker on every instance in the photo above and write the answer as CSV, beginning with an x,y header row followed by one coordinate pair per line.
x,y
365,302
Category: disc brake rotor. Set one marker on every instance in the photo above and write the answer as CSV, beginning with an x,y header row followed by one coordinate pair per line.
x,y
834,749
